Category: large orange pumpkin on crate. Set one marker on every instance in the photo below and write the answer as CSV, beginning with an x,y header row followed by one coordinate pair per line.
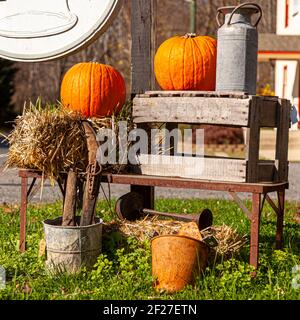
x,y
93,89
187,63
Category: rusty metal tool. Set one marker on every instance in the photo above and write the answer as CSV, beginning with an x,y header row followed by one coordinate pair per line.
x,y
93,178
131,207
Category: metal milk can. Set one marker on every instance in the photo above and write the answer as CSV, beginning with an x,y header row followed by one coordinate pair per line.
x,y
237,48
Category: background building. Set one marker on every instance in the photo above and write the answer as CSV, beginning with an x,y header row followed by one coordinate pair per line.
x,y
282,50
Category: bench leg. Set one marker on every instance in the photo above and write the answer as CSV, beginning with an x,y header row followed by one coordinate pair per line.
x,y
23,210
255,224
280,217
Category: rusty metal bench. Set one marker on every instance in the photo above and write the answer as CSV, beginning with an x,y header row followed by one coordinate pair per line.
x,y
260,193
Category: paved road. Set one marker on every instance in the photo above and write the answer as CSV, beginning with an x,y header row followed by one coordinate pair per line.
x,y
10,188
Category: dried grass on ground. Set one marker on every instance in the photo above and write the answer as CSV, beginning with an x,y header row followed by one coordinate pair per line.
x,y
227,241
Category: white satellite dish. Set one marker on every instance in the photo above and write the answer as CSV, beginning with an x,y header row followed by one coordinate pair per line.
x,y
35,30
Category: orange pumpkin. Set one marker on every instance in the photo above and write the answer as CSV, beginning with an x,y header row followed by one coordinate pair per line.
x,y
93,89
187,63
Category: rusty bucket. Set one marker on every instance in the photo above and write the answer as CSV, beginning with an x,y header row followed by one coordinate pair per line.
x,y
176,260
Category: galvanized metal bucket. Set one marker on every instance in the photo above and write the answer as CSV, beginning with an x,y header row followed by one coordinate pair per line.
x,y
237,48
70,248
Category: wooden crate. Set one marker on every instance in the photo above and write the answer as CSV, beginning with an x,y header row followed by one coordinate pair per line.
x,y
220,109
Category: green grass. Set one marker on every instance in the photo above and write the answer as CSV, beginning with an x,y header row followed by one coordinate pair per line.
x,y
123,271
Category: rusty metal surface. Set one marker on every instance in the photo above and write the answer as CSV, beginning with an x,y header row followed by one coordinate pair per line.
x,y
31,186
30,173
23,210
176,260
280,217
25,194
255,225
272,204
142,180
131,207
147,192
241,204
193,184
93,178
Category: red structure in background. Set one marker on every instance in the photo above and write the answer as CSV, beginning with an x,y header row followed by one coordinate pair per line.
x,y
287,7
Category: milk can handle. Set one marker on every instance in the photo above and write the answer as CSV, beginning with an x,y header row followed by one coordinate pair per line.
x,y
235,10
243,5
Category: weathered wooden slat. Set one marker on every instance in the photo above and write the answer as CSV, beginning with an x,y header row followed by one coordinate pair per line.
x,y
253,140
266,171
268,112
253,113
143,33
237,95
268,109
70,200
217,169
271,98
173,147
220,111
208,168
282,139
143,24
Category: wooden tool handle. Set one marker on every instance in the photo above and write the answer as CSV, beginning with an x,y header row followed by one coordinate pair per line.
x,y
70,200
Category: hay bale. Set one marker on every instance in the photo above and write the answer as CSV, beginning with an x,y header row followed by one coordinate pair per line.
x,y
101,125
48,139
144,229
52,140
227,240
